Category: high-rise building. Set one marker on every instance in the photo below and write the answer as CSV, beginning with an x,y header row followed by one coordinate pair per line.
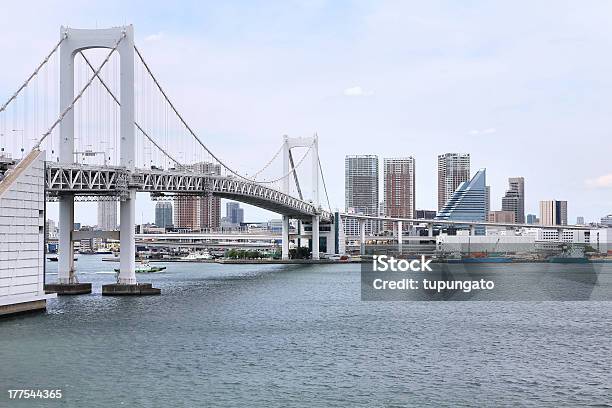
x,y
607,220
532,219
163,214
553,212
504,217
198,212
580,220
361,190
399,188
468,202
514,200
107,215
453,169
51,229
233,212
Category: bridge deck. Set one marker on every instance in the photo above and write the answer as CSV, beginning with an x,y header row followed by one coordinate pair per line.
x,y
61,178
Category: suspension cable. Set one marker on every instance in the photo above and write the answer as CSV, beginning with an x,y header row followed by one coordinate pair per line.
x,y
269,162
119,103
199,140
324,186
292,169
27,81
69,107
189,128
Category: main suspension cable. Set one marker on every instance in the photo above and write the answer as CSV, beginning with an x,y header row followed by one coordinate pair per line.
x,y
324,186
269,162
119,103
191,130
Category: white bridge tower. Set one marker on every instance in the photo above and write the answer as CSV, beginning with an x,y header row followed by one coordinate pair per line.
x,y
77,40
288,144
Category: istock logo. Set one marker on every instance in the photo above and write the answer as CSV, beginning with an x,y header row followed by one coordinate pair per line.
x,y
384,263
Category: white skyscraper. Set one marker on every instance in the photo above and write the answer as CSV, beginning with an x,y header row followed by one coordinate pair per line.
x,y
107,215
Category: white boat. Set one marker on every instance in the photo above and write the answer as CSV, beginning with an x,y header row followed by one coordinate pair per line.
x,y
145,267
198,256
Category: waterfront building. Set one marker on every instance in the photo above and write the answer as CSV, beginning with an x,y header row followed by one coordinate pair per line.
x,y
553,212
233,213
197,213
107,215
22,239
399,188
514,199
498,243
601,240
361,191
275,225
468,202
163,214
504,217
453,169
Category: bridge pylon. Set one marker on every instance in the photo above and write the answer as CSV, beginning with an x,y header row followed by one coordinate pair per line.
x,y
120,39
311,143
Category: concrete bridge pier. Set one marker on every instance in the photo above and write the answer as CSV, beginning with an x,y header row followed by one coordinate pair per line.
x,y
285,238
67,281
315,237
127,284
127,254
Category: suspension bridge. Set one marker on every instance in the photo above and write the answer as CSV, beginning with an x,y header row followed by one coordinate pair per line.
x,y
107,129
95,120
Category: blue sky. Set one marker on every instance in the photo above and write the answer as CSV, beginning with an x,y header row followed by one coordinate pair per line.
x,y
525,87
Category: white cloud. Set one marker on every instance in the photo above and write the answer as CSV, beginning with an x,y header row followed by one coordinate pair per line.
x,y
155,37
487,131
357,91
604,181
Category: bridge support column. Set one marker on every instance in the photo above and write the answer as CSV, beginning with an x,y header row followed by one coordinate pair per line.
x,y
285,238
430,230
399,237
362,237
67,282
315,237
126,280
65,273
472,230
127,240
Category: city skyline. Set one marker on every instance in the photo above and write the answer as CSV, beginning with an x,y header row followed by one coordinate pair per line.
x,y
515,192
554,88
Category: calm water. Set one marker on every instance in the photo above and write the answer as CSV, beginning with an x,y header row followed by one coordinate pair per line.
x,y
278,336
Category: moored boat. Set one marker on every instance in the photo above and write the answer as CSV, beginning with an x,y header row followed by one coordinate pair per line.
x,y
145,267
198,256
